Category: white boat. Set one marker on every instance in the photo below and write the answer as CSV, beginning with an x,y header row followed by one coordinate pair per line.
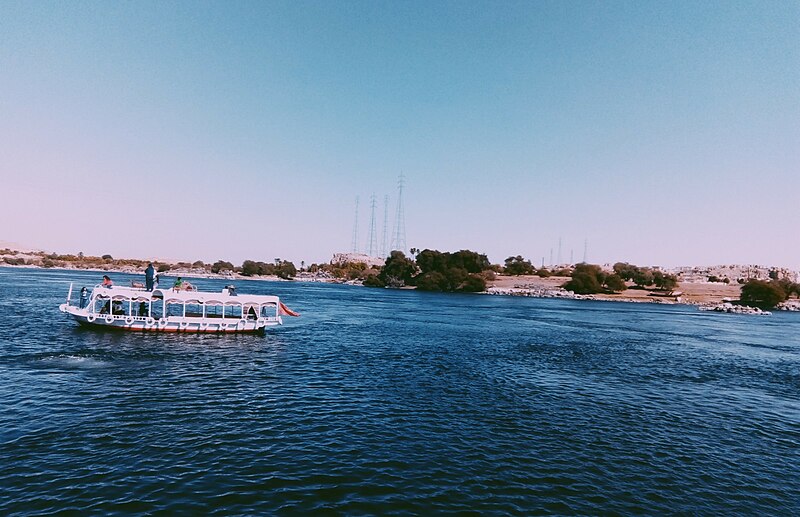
x,y
172,310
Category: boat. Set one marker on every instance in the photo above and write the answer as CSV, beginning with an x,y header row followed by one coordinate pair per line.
x,y
176,310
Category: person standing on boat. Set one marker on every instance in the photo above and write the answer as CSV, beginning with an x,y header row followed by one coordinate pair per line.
x,y
107,282
84,297
149,276
178,284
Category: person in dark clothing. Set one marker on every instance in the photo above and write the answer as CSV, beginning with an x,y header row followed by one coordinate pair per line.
x,y
149,276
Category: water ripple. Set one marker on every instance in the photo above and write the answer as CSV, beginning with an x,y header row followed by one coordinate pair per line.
x,y
401,402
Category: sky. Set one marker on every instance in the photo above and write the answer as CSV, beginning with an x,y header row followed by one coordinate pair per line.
x,y
656,133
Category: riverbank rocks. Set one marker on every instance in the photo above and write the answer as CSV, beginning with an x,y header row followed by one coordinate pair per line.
x,y
789,305
734,309
538,292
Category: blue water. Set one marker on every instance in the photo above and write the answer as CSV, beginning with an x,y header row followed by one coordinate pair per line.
x,y
378,401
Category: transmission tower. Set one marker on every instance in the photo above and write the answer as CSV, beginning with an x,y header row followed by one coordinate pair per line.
x,y
559,251
354,244
399,234
373,239
385,233
585,250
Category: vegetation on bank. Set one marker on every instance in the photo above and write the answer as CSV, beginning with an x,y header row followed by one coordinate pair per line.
x,y
768,294
433,270
428,270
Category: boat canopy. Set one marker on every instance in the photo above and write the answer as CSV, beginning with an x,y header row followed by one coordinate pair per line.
x,y
188,297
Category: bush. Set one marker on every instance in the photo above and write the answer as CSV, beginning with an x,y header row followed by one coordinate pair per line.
x,y
518,266
431,281
762,294
643,277
221,265
163,268
615,283
373,281
588,279
249,268
474,283
286,270
398,270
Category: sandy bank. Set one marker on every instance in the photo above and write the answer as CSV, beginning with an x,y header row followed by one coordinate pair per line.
x,y
691,293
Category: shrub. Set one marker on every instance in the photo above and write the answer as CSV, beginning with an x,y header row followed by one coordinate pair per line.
x,y
373,281
762,294
518,266
221,265
431,281
474,283
615,283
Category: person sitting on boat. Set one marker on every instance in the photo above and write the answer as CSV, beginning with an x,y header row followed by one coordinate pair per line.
x,y
107,282
117,309
178,284
106,308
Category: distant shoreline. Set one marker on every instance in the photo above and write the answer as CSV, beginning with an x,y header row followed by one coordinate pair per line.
x,y
532,286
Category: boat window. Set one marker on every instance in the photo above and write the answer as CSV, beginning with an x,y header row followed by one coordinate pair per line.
x,y
194,309
213,310
233,311
102,305
268,310
157,309
174,309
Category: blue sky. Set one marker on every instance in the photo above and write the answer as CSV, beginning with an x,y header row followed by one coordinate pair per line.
x,y
663,132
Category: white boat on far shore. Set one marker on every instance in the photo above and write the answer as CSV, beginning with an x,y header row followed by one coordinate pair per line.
x,y
176,310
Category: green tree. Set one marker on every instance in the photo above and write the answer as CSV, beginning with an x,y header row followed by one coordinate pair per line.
x,y
249,268
431,281
762,294
518,266
398,270
586,279
664,281
286,269
431,260
615,283
643,277
221,265
373,281
474,283
625,271
471,261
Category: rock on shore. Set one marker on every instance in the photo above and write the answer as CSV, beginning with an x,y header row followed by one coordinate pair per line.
x,y
734,309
